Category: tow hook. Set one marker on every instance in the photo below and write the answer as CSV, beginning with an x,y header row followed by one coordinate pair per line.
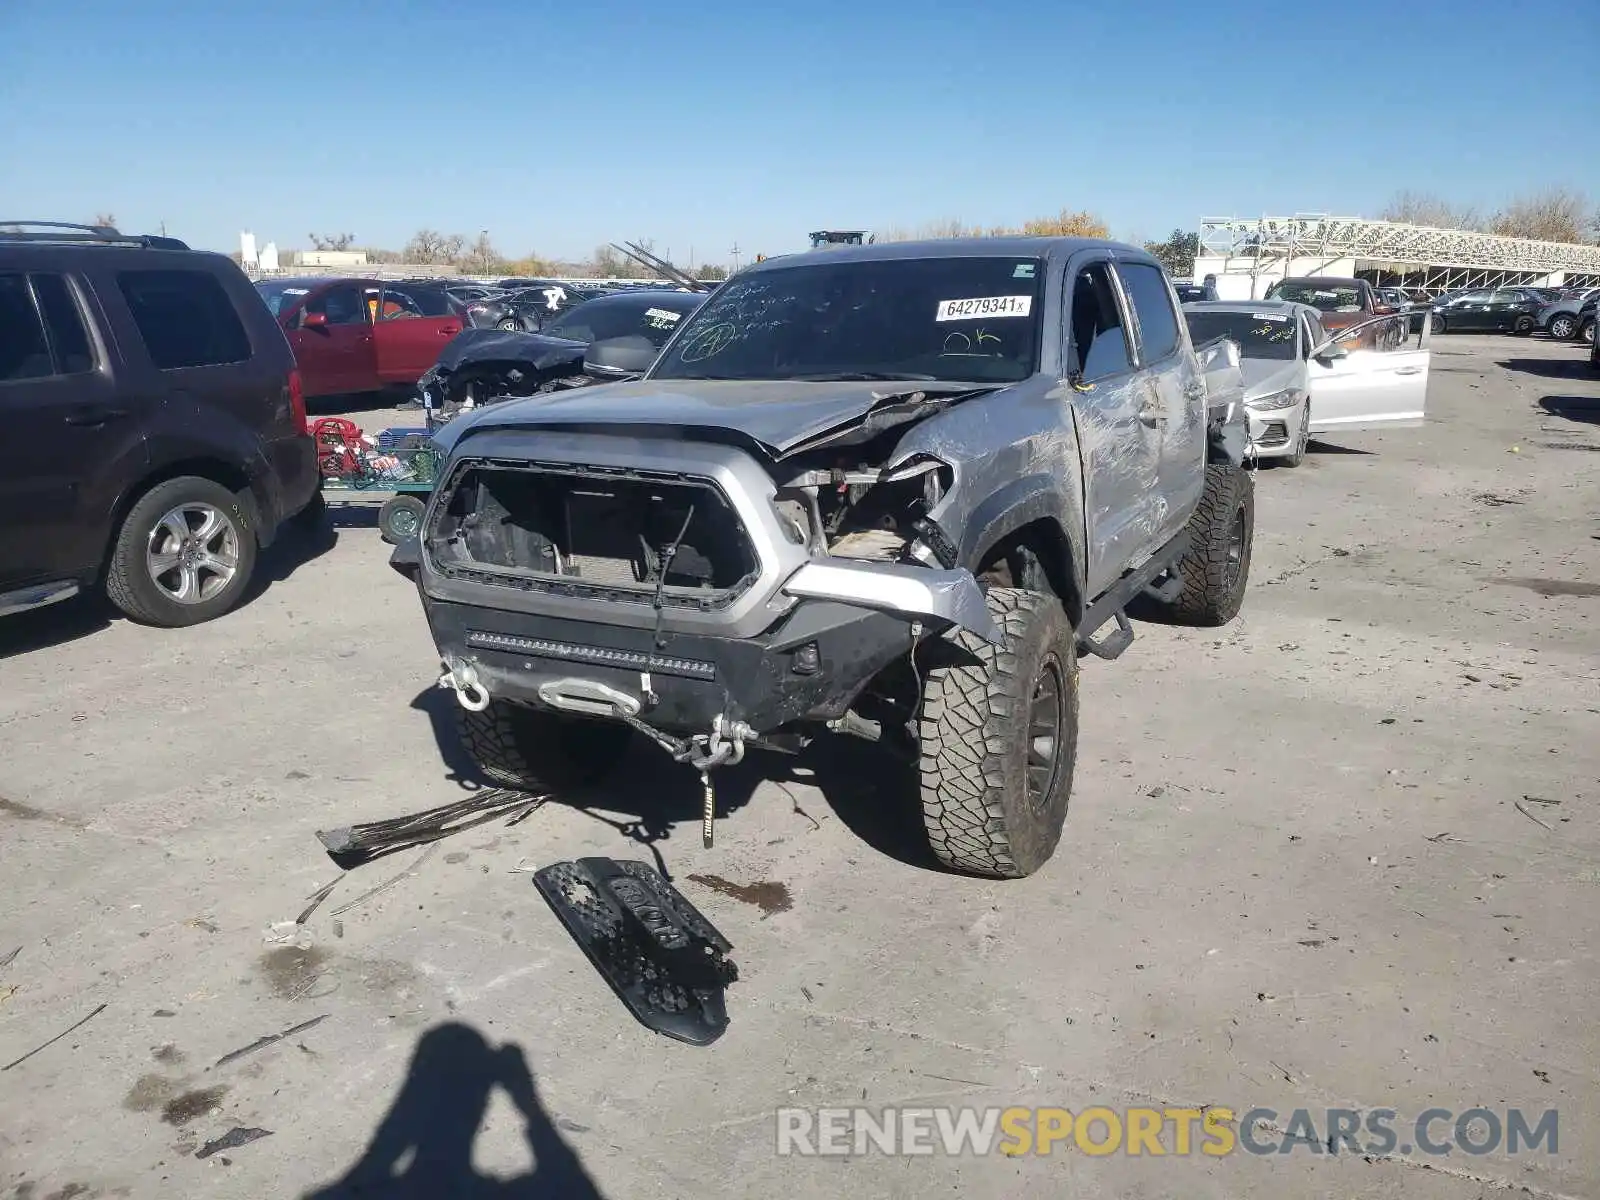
x,y
462,678
723,746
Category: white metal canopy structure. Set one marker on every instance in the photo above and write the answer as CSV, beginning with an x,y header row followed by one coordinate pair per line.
x,y
1247,254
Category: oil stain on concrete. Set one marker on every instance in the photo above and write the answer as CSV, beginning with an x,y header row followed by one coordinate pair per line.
x,y
767,895
1554,587
156,1092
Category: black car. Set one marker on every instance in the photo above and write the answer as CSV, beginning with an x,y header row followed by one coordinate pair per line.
x,y
527,309
1586,319
1505,310
164,418
488,364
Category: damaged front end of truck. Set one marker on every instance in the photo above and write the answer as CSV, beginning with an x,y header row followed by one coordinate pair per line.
x,y
710,587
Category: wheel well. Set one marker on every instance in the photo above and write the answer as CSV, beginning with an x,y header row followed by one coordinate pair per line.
x,y
1037,557
214,469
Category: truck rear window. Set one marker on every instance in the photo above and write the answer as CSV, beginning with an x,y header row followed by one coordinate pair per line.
x,y
186,318
957,318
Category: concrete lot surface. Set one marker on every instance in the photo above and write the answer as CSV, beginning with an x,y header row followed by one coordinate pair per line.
x,y
1341,853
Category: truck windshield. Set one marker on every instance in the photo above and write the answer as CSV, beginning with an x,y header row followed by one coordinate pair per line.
x,y
1325,297
1259,334
958,319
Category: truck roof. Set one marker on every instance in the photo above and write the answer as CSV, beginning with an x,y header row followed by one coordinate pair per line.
x,y
970,247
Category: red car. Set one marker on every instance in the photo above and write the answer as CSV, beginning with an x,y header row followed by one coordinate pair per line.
x,y
359,335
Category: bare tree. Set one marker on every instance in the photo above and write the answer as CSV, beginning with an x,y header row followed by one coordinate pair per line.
x,y
607,263
481,257
1556,214
1425,208
106,219
431,246
332,241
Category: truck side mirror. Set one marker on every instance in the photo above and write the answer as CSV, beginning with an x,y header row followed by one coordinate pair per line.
x,y
619,358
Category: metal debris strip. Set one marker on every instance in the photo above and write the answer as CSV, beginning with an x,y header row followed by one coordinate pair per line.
x,y
387,883
352,845
1531,817
10,958
232,1140
18,1062
262,1043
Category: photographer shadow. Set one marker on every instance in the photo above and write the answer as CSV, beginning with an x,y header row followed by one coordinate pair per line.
x,y
422,1150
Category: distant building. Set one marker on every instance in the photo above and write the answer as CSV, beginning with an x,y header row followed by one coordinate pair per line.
x,y
330,258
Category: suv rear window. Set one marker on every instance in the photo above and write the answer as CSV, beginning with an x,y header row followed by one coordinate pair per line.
x,y
185,317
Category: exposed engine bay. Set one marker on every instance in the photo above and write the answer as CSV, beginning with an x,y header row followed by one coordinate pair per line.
x,y
675,538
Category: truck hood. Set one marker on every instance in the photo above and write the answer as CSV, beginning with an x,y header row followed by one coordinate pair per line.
x,y
777,417
1263,376
501,345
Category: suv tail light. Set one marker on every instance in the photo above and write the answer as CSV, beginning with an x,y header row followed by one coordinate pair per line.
x,y
297,401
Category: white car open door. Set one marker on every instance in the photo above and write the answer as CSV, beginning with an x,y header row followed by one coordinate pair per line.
x,y
1365,388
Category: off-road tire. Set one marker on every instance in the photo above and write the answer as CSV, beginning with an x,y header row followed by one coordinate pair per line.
x,y
534,751
974,727
1214,579
128,584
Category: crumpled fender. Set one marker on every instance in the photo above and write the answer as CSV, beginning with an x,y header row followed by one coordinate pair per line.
x,y
953,597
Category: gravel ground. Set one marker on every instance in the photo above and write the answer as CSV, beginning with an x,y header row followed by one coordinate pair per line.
x,y
1342,852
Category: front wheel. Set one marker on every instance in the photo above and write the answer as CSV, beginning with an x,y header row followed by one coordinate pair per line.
x,y
1563,327
400,518
999,740
1303,439
184,554
1586,333
1523,327
1216,568
531,750
1436,323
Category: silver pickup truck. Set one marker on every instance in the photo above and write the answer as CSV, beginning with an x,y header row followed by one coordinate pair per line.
x,y
893,491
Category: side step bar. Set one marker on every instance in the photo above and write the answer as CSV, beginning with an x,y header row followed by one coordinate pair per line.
x,y
36,596
1110,606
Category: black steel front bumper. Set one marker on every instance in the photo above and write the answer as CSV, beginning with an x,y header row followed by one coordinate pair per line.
x,y
809,667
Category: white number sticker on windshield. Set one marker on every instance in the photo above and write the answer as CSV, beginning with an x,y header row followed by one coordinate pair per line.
x,y
1268,317
661,318
984,306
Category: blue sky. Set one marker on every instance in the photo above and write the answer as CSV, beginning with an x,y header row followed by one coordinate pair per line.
x,y
557,127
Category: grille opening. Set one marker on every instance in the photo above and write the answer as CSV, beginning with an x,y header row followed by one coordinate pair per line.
x,y
602,529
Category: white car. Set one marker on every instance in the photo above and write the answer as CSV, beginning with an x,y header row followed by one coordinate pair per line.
x,y
1299,380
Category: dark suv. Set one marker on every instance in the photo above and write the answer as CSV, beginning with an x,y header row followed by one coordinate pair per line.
x,y
156,423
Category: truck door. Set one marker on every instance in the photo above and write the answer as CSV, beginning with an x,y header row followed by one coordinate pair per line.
x,y
413,325
1121,450
1176,391
1366,389
332,342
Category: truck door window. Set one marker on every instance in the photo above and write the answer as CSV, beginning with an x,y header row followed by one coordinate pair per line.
x,y
1099,343
1147,291
341,305
24,352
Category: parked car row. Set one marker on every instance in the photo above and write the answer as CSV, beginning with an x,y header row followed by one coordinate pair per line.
x,y
1301,377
